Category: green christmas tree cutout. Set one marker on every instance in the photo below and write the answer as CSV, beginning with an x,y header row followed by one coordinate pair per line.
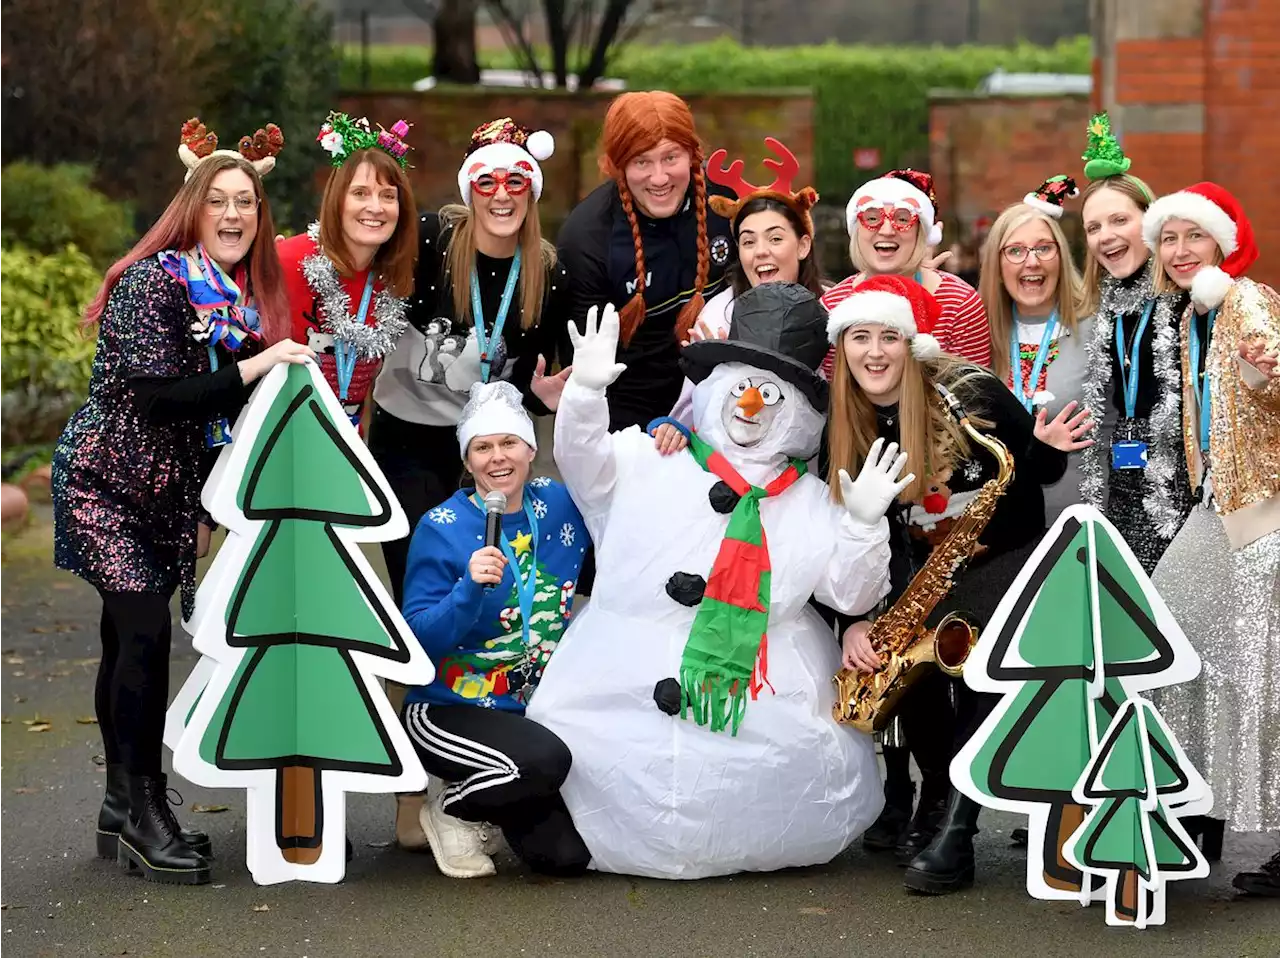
x,y
1131,835
293,710
1079,632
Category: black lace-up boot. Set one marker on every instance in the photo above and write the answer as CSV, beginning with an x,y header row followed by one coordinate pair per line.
x,y
151,840
115,809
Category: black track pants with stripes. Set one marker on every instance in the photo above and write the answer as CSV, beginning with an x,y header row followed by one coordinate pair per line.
x,y
505,769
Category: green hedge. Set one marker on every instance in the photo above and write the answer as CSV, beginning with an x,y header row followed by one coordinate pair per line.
x,y
47,208
864,96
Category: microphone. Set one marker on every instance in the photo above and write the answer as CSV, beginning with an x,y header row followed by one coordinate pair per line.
x,y
495,504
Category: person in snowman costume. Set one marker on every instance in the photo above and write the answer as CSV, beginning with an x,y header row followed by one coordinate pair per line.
x,y
695,689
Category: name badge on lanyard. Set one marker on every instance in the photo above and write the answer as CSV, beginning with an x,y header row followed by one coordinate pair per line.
x,y
218,432
1130,453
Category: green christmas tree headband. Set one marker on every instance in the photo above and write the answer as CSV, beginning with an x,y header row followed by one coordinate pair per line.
x,y
340,136
1103,157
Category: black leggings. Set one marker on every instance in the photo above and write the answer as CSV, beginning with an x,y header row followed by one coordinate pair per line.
x,y
132,691
505,769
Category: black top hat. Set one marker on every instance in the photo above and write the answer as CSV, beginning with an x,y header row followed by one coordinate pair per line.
x,y
781,327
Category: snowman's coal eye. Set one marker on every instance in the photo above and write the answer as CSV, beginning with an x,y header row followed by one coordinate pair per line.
x,y
770,393
739,388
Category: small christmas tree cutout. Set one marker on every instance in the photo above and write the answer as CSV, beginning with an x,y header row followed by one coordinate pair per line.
x,y
1131,835
1078,631
299,628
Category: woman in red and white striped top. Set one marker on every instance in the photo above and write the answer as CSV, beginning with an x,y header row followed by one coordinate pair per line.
x,y
891,227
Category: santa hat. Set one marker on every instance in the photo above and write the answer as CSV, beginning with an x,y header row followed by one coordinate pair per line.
x,y
199,143
494,409
1051,194
504,144
896,187
785,168
1220,214
894,301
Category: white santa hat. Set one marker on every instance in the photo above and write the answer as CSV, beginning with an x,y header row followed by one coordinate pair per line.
x,y
1218,213
504,144
897,187
494,409
894,301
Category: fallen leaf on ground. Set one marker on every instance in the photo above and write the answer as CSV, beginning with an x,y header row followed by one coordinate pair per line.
x,y
94,661
19,699
39,726
35,721
99,760
261,907
41,629
386,844
87,720
26,790
15,660
209,808
813,910
58,674
5,721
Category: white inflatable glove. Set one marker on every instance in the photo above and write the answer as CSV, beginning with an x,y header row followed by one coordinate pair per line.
x,y
869,498
595,350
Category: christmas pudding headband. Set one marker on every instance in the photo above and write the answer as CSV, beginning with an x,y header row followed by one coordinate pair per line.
x,y
785,168
199,143
504,144
341,135
910,188
1051,194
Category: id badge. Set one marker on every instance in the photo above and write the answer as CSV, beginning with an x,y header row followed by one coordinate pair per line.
x,y
1128,454
217,433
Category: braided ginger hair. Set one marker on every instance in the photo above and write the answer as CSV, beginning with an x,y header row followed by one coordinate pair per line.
x,y
636,123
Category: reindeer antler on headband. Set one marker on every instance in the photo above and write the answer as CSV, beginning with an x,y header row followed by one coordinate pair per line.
x,y
785,168
199,143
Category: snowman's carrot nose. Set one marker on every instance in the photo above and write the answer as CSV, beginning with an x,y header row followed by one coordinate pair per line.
x,y
751,402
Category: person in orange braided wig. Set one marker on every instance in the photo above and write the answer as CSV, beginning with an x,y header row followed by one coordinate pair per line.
x,y
648,242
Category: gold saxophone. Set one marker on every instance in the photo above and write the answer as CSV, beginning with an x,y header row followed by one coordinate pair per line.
x,y
867,701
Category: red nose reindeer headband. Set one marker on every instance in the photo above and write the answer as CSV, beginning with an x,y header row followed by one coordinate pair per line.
x,y
785,168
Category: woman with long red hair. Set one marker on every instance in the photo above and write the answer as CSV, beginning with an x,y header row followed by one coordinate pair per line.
x,y
187,321
647,240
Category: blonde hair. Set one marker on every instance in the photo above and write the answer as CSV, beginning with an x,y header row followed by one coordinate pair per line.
x,y
996,299
909,268
932,440
1142,197
460,259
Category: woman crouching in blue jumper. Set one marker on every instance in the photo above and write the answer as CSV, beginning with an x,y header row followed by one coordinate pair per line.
x,y
490,618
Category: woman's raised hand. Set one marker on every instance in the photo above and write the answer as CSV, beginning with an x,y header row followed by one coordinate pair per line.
x,y
487,565
669,440
1065,432
285,351
1255,353
548,388
700,331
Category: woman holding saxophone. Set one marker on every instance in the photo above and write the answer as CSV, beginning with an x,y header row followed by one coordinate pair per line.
x,y
885,384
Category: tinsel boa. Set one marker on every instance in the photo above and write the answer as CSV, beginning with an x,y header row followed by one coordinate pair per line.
x,y
1165,449
371,340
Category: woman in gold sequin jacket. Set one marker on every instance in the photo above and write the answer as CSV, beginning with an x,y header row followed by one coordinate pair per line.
x,y
1221,575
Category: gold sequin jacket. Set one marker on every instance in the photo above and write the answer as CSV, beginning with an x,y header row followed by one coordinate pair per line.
x,y
1244,437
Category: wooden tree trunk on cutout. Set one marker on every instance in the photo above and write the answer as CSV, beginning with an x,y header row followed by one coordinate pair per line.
x,y
300,809
1127,893
1062,875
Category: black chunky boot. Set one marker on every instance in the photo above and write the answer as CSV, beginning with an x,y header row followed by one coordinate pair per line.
x,y
947,864
1264,883
150,838
924,824
115,809
888,831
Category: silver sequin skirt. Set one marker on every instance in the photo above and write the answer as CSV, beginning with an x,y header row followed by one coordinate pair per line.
x,y
1228,719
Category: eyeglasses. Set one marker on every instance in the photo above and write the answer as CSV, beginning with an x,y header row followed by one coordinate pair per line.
x,y
1018,254
487,184
901,218
245,204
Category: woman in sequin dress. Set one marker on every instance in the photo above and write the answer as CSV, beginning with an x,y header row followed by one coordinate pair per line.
x,y
1221,575
167,378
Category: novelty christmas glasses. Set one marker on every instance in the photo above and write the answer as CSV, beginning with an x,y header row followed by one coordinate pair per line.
x,y
516,182
901,218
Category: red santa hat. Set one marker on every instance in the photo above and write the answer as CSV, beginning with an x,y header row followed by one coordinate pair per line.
x,y
894,301
503,144
1220,214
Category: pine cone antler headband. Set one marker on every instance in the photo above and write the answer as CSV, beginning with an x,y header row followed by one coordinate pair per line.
x,y
785,168
200,143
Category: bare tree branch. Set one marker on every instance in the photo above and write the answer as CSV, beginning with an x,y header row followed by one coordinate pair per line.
x,y
517,42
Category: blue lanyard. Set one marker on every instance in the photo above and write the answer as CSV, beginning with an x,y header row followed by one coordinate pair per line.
x,y
483,340
213,359
526,587
1202,395
1042,354
1129,381
344,353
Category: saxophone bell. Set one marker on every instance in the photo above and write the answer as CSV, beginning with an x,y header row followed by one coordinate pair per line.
x,y
953,640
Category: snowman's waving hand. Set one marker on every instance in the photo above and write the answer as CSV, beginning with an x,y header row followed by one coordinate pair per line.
x,y
869,497
595,350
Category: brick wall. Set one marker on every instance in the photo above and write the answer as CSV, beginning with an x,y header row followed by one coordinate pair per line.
x,y
443,123
987,152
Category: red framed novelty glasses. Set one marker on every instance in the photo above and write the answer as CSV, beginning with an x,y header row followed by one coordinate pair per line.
x,y
901,218
486,184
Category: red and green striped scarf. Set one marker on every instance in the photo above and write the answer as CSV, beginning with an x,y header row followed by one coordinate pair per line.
x,y
727,654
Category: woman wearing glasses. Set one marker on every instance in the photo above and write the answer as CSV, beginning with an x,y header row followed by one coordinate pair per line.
x,y
891,223
187,321
1031,291
350,274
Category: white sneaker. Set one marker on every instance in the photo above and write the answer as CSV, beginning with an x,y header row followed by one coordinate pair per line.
x,y
456,845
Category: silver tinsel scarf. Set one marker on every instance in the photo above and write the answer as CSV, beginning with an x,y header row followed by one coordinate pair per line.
x,y
371,341
1165,450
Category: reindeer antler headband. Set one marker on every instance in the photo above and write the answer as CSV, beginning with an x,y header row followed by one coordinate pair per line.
x,y
199,143
785,168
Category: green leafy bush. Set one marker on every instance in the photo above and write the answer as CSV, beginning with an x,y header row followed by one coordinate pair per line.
x,y
45,358
46,208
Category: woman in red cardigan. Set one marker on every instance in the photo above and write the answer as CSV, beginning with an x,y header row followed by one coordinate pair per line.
x,y
349,275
